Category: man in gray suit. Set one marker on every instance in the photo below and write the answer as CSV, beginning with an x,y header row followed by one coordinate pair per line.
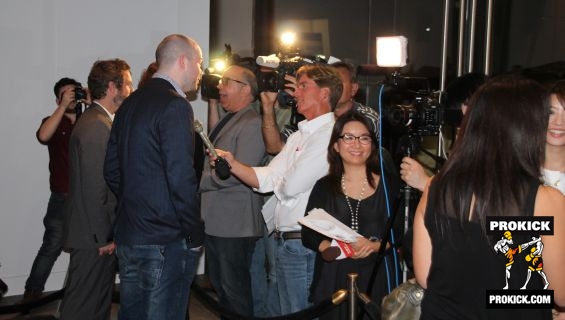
x,y
91,205
230,209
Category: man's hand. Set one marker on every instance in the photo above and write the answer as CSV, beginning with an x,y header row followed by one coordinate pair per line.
x,y
228,156
213,114
269,127
65,105
107,249
243,172
290,85
412,172
67,101
268,100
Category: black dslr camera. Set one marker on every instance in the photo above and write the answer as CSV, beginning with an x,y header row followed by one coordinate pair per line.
x,y
80,97
80,93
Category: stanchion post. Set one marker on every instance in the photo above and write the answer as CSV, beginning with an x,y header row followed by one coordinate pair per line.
x,y
352,299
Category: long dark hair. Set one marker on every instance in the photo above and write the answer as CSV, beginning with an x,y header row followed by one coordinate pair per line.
x,y
558,89
334,158
498,154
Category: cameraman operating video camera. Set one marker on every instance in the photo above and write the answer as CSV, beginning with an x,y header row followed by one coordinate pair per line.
x,y
274,141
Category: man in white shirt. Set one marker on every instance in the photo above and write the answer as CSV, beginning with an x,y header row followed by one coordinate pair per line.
x,y
291,176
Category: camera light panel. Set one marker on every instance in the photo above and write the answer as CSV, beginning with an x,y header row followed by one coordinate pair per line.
x,y
392,51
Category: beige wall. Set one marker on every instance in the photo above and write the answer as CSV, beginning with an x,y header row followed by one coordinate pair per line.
x,y
42,41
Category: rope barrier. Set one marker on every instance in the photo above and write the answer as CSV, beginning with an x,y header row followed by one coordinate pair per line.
x,y
25,307
207,298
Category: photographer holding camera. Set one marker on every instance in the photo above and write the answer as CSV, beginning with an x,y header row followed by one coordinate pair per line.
x,y
54,132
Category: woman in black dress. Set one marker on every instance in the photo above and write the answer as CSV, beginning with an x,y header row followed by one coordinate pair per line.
x,y
493,172
354,193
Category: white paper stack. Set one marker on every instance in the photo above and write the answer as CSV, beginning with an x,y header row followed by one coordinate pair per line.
x,y
321,221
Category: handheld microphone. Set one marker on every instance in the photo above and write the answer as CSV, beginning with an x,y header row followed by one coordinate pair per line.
x,y
222,166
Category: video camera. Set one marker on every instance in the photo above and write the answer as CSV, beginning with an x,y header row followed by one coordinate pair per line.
x,y
275,68
80,93
211,79
272,70
411,107
423,116
269,71
411,110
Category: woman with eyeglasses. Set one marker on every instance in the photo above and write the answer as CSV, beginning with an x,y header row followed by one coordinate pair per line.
x,y
352,192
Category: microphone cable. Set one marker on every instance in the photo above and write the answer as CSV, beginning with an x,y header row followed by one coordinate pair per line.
x,y
387,200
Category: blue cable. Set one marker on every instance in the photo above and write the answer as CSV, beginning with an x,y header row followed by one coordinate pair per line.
x,y
383,178
388,284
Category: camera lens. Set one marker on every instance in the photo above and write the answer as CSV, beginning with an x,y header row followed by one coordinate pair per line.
x,y
209,86
80,93
268,81
286,100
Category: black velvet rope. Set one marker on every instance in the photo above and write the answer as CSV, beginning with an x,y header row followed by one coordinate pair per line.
x,y
312,312
206,298
27,306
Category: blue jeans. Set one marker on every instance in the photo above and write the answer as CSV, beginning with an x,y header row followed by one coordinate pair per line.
x,y
155,280
295,269
53,238
229,261
264,278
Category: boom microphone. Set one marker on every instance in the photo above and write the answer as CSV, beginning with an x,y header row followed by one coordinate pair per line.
x,y
222,166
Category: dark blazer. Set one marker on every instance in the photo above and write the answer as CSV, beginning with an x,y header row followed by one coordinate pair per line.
x,y
229,207
149,166
90,205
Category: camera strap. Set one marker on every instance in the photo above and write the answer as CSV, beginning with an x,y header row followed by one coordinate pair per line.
x,y
220,125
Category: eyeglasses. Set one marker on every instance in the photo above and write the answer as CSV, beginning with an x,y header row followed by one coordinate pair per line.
x,y
349,139
225,81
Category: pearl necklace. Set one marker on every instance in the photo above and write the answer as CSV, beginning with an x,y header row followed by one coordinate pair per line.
x,y
354,214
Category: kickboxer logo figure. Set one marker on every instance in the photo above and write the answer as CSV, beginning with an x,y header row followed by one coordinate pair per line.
x,y
536,263
503,246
